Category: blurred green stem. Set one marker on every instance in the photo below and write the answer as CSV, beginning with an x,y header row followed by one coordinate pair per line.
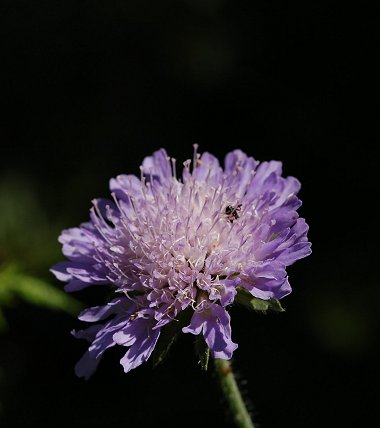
x,y
232,394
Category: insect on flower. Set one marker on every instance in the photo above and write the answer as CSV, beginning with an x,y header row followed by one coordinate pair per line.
x,y
232,212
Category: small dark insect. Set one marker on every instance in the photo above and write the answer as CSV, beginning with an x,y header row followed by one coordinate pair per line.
x,y
232,212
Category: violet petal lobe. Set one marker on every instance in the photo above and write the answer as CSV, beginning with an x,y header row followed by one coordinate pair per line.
x,y
141,338
103,340
214,322
98,313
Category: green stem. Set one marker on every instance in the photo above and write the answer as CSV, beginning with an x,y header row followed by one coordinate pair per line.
x,y
232,394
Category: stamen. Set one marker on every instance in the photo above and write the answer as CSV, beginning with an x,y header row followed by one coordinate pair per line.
x,y
173,164
195,156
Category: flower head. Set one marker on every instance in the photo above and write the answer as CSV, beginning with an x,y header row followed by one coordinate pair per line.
x,y
168,245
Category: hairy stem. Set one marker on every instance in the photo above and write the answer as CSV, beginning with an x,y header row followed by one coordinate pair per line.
x,y
232,394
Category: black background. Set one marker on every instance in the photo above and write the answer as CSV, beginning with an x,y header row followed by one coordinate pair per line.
x,y
88,88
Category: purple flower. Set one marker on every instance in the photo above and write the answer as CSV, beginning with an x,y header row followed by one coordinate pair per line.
x,y
166,245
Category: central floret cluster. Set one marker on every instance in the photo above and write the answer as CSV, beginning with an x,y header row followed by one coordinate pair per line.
x,y
166,244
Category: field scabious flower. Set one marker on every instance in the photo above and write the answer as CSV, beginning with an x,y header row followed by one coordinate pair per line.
x,y
166,245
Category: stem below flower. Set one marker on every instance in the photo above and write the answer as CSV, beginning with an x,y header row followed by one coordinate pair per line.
x,y
232,394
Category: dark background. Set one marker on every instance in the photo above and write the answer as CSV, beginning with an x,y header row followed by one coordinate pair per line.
x,y
88,88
